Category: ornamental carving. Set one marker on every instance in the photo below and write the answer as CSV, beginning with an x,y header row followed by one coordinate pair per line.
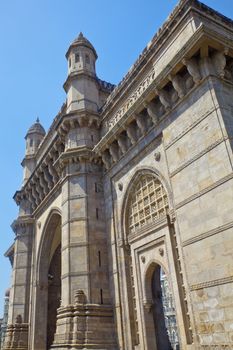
x,y
109,124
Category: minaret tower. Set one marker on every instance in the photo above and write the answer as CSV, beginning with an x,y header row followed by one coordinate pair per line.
x,y
33,139
84,276
81,85
23,226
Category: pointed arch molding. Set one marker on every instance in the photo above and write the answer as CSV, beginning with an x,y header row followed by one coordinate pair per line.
x,y
132,182
149,270
46,240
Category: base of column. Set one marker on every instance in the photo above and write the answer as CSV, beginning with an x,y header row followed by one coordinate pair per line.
x,y
16,337
85,326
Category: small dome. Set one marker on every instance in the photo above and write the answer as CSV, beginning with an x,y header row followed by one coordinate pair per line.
x,y
7,293
36,128
81,41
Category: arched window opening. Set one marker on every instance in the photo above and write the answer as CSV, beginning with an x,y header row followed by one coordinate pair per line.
x,y
87,59
148,203
163,309
77,58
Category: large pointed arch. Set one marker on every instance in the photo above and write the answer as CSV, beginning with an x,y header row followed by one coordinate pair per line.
x,y
49,246
46,241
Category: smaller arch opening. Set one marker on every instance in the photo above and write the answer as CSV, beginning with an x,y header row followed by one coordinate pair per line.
x,y
162,309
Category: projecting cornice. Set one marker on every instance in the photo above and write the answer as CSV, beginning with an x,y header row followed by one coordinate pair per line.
x,y
184,9
207,52
154,81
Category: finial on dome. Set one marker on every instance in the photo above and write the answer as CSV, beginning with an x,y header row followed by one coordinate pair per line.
x,y
81,40
36,128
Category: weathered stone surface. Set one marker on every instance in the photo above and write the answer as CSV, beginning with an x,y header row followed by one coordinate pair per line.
x,y
126,184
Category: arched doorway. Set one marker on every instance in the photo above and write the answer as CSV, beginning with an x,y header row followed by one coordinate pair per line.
x,y
163,311
146,215
48,288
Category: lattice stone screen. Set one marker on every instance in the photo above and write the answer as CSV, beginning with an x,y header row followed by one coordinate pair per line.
x,y
148,203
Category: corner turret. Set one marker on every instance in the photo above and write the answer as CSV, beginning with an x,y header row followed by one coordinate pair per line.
x,y
81,56
81,84
33,139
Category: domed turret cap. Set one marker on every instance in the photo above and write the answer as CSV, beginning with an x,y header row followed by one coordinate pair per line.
x,y
36,128
81,41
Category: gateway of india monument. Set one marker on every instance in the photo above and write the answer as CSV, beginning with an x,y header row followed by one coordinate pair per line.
x,y
124,238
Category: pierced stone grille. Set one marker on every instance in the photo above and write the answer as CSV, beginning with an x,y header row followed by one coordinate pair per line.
x,y
148,203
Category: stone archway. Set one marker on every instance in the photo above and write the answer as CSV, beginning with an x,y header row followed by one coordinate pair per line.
x,y
48,287
158,312
160,318
147,206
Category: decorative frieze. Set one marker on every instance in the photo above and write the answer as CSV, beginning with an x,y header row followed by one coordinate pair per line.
x,y
131,100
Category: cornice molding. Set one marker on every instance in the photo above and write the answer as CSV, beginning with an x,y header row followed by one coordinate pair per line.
x,y
204,191
207,234
213,283
181,10
150,83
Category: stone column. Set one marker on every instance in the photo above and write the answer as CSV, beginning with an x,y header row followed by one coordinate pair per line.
x,y
17,329
86,321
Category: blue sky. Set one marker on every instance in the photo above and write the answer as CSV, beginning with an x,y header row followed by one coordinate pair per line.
x,y
34,37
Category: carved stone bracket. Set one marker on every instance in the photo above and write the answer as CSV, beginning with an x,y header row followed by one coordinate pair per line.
x,y
193,69
163,97
113,149
152,111
131,133
219,62
122,142
177,84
